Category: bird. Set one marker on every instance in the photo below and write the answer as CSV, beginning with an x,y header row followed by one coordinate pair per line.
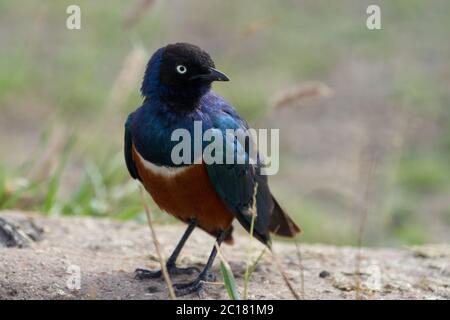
x,y
177,91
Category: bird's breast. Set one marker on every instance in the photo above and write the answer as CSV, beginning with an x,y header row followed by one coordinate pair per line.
x,y
185,192
163,172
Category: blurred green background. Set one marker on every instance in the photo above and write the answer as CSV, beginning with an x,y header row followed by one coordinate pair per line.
x,y
369,160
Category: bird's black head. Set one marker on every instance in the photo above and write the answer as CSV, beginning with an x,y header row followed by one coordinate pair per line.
x,y
184,64
180,74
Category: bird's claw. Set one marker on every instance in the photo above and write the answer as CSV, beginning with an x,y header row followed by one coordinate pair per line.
x,y
142,274
182,289
196,286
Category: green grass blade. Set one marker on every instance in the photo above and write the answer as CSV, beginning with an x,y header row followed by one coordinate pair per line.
x,y
229,281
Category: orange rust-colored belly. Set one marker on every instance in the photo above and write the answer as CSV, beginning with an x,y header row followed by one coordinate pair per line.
x,y
187,194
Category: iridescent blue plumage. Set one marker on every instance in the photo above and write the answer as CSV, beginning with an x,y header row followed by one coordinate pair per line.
x,y
151,127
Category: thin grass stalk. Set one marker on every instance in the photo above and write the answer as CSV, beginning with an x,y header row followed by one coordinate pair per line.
x,y
302,269
258,259
368,166
161,259
284,275
254,214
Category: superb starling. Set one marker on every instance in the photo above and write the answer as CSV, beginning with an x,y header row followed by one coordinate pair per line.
x,y
177,92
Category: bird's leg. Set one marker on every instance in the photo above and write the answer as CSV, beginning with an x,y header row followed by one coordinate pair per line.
x,y
182,289
170,264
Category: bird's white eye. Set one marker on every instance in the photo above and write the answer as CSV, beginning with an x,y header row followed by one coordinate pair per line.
x,y
181,69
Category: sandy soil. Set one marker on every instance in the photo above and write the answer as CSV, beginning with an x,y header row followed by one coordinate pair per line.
x,y
106,254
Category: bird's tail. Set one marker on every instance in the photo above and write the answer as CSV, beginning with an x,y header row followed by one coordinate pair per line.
x,y
281,224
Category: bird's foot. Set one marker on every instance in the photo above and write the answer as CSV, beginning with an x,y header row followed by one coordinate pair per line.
x,y
142,274
182,289
196,286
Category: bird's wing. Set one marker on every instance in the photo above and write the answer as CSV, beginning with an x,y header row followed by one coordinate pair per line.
x,y
128,149
238,184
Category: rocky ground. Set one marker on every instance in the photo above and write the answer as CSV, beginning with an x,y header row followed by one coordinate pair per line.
x,y
105,254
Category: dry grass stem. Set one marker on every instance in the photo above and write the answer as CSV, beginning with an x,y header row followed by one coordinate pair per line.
x,y
136,12
302,269
259,25
366,170
161,259
43,168
254,213
128,77
297,94
221,256
284,275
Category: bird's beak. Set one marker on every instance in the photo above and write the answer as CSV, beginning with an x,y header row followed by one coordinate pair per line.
x,y
216,75
213,75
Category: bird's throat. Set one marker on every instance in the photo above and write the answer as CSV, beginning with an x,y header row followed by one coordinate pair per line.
x,y
184,99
